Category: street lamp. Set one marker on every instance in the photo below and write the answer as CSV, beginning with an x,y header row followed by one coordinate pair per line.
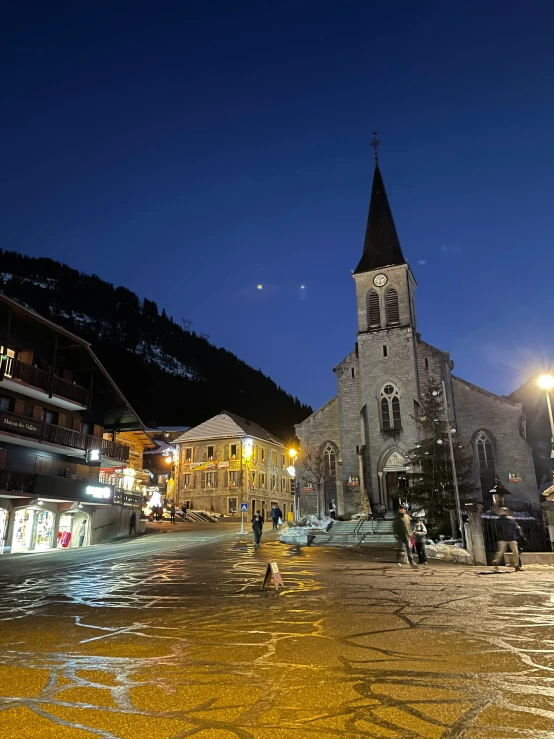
x,y
293,454
546,382
453,463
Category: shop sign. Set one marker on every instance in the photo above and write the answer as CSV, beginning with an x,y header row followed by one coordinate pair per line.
x,y
211,465
19,425
99,492
514,477
170,486
93,456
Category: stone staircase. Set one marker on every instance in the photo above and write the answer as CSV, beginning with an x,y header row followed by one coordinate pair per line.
x,y
355,533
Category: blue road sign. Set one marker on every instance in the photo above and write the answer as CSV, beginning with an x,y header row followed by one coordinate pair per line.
x,y
244,506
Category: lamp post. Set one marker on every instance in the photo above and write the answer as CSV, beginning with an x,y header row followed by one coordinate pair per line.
x,y
546,382
451,431
293,454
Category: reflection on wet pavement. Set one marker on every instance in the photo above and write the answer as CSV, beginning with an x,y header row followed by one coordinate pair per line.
x,y
184,643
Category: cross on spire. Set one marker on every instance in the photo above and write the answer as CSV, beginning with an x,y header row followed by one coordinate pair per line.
x,y
375,143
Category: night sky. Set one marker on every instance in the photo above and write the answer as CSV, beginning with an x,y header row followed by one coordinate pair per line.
x,y
192,151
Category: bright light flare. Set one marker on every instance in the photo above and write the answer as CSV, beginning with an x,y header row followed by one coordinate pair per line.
x,y
546,382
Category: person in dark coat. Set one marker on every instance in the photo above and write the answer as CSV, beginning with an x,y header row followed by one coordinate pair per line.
x,y
275,515
420,532
509,532
172,513
133,523
257,528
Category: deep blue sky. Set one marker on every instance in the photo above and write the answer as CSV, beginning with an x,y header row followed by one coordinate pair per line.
x,y
192,150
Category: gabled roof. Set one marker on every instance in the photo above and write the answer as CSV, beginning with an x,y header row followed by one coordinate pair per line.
x,y
381,246
227,426
471,386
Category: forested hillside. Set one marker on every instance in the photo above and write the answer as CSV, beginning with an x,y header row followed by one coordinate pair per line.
x,y
170,376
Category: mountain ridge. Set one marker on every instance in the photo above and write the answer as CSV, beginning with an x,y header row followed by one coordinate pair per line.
x,y
171,376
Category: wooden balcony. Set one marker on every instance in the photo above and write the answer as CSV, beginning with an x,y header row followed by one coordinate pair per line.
x,y
26,373
48,433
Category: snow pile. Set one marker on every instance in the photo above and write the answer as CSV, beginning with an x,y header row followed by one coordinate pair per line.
x,y
154,354
299,531
448,552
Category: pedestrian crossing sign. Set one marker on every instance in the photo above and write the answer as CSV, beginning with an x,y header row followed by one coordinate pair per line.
x,y
244,506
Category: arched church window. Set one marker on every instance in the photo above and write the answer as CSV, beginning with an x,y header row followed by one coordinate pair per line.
x,y
329,461
390,408
484,452
391,303
373,310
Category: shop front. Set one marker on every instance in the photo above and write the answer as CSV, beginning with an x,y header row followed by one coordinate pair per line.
x,y
51,521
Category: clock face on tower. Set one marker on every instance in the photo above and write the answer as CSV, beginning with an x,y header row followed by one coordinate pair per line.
x,y
380,280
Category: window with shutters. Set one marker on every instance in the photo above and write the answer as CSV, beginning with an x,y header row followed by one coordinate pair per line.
x,y
262,455
210,480
187,479
233,479
210,452
389,401
188,454
233,451
485,453
232,505
373,310
274,459
329,461
391,302
273,480
283,484
262,480
252,480
7,404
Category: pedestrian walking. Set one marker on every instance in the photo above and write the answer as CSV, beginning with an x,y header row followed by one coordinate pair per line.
x,y
402,528
184,511
133,523
333,510
275,515
172,513
82,532
420,534
509,532
257,528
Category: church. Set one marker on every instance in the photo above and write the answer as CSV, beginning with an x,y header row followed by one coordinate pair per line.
x,y
367,429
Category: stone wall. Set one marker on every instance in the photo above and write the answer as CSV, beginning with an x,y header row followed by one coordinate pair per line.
x,y
348,380
477,410
321,426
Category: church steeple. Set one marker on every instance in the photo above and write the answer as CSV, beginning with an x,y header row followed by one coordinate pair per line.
x,y
381,246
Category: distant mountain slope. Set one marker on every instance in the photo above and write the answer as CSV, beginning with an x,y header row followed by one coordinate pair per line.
x,y
170,376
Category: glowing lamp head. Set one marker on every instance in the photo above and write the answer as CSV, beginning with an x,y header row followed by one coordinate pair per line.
x,y
546,382
169,460
293,453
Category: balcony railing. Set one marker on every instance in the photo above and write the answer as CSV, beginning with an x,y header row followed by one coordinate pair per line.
x,y
20,482
62,436
16,370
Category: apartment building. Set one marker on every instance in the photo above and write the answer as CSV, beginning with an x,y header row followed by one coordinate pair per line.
x,y
229,460
56,403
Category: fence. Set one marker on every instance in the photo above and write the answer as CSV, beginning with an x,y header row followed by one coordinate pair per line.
x,y
534,531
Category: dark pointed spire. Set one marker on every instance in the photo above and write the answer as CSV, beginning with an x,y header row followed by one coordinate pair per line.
x,y
381,246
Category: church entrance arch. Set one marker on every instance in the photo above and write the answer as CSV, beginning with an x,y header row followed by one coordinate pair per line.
x,y
393,480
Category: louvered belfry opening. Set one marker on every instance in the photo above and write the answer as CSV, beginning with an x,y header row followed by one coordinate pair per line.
x,y
391,302
373,310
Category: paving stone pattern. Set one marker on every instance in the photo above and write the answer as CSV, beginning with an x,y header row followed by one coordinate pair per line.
x,y
183,643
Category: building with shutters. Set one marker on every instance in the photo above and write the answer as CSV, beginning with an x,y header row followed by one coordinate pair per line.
x,y
229,460
62,421
366,431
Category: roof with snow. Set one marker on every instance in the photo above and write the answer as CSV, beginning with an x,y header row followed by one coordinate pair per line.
x,y
227,426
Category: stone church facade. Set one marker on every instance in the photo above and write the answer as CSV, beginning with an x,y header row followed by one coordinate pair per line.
x,y
367,429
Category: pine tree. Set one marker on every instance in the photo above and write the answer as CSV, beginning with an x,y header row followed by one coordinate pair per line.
x,y
431,485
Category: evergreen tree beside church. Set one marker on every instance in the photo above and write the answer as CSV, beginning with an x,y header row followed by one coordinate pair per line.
x,y
430,478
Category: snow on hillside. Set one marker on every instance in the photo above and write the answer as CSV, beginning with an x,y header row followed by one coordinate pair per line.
x,y
155,355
